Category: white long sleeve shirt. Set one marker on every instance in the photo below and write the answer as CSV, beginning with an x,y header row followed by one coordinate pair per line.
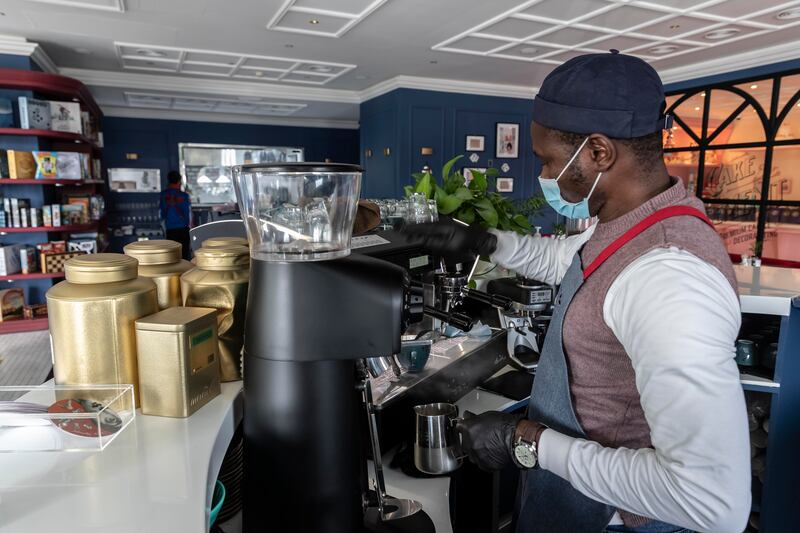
x,y
677,318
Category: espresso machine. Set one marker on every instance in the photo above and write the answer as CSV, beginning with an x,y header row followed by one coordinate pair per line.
x,y
314,313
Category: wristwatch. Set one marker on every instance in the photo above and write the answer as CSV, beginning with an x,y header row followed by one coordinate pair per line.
x,y
526,452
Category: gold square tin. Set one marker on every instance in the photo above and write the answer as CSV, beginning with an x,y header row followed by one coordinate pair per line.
x,y
178,354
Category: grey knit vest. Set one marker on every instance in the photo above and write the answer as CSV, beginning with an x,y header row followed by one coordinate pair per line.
x,y
602,380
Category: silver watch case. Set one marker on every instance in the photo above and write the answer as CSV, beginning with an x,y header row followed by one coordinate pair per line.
x,y
525,453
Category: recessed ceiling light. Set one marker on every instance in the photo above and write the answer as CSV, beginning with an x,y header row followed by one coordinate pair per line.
x,y
798,104
663,49
674,26
313,21
258,73
722,33
289,45
789,14
697,109
149,53
528,50
319,68
703,94
2,14
82,50
754,86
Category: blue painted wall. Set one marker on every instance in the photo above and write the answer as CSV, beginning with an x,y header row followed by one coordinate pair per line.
x,y
156,141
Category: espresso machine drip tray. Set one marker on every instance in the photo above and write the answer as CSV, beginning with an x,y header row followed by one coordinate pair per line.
x,y
455,366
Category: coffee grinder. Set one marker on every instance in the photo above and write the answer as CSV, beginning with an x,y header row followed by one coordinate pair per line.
x,y
314,312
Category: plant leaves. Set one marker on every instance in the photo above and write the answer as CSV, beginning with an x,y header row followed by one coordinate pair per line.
x,y
478,182
463,193
408,190
466,214
492,172
426,186
448,167
454,182
486,211
448,203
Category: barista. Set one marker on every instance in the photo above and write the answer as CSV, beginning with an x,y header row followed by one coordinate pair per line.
x,y
637,420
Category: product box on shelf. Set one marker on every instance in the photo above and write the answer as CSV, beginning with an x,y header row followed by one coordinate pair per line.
x,y
35,217
35,311
17,205
28,260
65,116
55,212
88,246
97,169
4,220
74,213
3,164
47,216
86,166
86,125
24,214
70,166
21,165
12,302
34,114
6,113
9,259
52,263
45,165
97,207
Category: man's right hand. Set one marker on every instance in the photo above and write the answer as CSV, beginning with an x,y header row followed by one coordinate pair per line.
x,y
450,238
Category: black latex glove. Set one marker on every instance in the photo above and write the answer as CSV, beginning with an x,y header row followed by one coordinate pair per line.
x,y
450,238
488,438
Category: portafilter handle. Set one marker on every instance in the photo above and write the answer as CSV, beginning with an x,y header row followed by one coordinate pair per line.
x,y
458,320
495,300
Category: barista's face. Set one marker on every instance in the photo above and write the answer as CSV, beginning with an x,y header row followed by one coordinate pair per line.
x,y
554,154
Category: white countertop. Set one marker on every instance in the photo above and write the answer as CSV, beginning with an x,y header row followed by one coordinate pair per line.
x,y
767,290
156,476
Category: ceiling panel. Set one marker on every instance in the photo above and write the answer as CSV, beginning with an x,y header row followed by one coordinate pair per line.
x,y
100,5
572,36
675,27
220,105
624,17
527,51
225,64
742,8
621,43
476,44
563,11
780,17
516,28
328,18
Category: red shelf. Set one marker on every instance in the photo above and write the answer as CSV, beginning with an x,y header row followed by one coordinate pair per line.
x,y
76,183
51,84
36,275
62,135
49,229
19,326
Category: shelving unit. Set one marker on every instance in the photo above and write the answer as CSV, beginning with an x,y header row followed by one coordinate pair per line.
x,y
21,326
45,191
61,135
775,292
51,229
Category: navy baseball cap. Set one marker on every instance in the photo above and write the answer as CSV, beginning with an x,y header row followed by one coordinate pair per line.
x,y
615,94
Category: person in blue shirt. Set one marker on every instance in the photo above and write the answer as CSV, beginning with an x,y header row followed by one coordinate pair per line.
x,y
176,212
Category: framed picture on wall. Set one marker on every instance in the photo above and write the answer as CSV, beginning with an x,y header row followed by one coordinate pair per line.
x,y
467,172
134,179
476,143
507,140
505,184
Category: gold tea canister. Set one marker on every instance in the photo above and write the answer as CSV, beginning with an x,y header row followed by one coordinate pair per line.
x,y
178,360
92,317
220,281
224,242
161,261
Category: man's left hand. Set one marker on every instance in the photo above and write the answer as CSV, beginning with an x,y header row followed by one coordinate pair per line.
x,y
488,438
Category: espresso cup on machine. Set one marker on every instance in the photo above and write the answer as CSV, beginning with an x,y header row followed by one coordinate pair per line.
x,y
437,447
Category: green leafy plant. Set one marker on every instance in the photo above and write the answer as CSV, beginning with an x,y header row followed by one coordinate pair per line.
x,y
473,202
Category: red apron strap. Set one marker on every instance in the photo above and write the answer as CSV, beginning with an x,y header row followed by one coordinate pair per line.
x,y
658,216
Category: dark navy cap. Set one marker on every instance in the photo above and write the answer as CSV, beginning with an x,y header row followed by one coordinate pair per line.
x,y
615,94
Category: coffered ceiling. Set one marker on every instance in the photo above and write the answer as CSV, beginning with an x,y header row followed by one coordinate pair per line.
x,y
320,58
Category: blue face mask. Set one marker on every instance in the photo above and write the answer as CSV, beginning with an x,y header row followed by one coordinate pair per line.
x,y
552,193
